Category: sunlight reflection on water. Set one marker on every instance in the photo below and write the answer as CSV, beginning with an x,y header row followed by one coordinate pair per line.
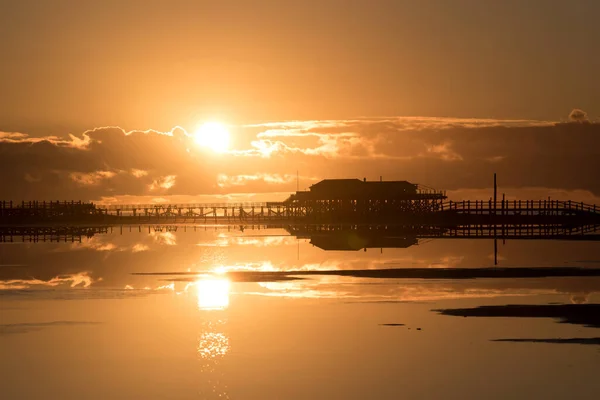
x,y
213,294
212,345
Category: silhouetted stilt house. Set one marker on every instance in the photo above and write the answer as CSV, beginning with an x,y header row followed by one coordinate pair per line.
x,y
356,200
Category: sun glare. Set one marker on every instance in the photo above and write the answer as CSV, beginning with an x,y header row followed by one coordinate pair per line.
x,y
213,294
214,136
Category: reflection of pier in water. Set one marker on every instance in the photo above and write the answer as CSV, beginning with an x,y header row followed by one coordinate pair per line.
x,y
13,234
358,237
324,236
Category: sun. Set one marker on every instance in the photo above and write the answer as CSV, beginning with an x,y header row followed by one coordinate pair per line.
x,y
214,136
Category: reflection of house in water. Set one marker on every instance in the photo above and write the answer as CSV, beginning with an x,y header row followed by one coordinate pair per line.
x,y
365,236
352,238
353,199
357,241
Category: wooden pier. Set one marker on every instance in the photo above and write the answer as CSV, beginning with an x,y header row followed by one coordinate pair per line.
x,y
330,201
449,213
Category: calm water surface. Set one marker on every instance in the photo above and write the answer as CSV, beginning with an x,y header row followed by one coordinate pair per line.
x,y
77,322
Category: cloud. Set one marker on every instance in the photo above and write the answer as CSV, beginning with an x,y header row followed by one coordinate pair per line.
x,y
164,238
230,197
95,243
323,144
12,135
138,173
226,181
72,141
579,298
494,159
136,248
92,178
83,280
402,123
94,163
327,146
445,153
163,182
31,179
80,142
254,241
578,115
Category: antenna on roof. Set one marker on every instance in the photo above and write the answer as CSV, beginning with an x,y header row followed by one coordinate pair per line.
x,y
297,181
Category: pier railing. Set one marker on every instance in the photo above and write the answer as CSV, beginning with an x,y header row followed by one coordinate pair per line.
x,y
526,207
415,211
475,206
129,207
44,204
421,189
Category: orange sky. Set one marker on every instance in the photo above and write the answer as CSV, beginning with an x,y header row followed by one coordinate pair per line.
x,y
117,90
68,66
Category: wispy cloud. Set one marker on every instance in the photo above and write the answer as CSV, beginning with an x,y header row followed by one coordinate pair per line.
x,y
225,181
164,238
444,151
92,178
72,280
138,173
164,182
138,247
75,142
578,115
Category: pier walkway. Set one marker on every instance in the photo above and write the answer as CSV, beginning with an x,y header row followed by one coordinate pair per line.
x,y
520,212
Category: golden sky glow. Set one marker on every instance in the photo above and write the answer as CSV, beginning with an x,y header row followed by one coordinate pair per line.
x,y
262,60
261,97
172,132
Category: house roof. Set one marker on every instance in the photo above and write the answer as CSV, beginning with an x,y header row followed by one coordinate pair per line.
x,y
332,183
357,188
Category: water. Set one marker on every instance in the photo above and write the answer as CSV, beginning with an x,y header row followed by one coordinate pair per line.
x,y
76,322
